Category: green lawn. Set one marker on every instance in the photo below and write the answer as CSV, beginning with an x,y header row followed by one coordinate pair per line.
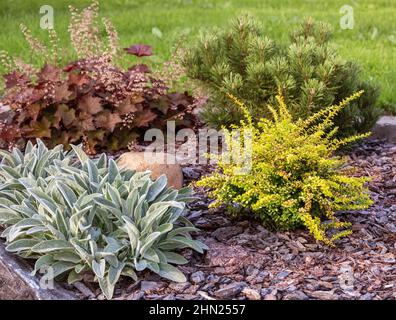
x,y
372,42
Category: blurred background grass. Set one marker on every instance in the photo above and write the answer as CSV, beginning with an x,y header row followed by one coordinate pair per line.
x,y
161,23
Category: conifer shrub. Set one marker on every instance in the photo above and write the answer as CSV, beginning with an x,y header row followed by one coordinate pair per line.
x,y
86,218
245,62
295,179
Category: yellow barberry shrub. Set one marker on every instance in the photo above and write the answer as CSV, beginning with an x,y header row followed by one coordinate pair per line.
x,y
294,178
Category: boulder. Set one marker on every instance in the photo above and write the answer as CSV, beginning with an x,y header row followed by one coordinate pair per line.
x,y
158,163
385,128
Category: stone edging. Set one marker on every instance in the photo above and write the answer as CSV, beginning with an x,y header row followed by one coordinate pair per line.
x,y
17,283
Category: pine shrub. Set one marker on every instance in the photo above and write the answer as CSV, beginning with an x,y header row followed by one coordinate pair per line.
x,y
243,61
295,179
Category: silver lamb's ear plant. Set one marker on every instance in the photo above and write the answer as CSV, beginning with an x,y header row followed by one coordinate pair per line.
x,y
79,215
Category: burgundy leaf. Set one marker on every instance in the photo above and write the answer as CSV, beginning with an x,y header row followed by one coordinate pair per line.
x,y
107,120
49,73
78,79
62,92
180,99
90,104
29,95
86,123
65,114
140,50
145,118
69,67
127,106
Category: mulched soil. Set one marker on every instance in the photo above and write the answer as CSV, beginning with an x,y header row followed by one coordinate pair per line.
x,y
246,261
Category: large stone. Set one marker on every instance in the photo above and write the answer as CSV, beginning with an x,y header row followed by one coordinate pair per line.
x,y
16,282
385,128
158,163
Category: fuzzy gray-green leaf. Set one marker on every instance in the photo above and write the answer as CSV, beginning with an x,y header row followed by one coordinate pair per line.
x,y
22,244
169,272
51,245
99,268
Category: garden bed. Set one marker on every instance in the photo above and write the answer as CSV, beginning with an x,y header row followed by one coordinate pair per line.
x,y
105,228
246,261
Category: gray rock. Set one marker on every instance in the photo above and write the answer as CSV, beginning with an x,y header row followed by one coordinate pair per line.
x,y
367,296
208,287
213,278
385,128
269,294
291,288
265,291
296,295
283,274
251,271
230,290
225,280
197,277
257,278
191,173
